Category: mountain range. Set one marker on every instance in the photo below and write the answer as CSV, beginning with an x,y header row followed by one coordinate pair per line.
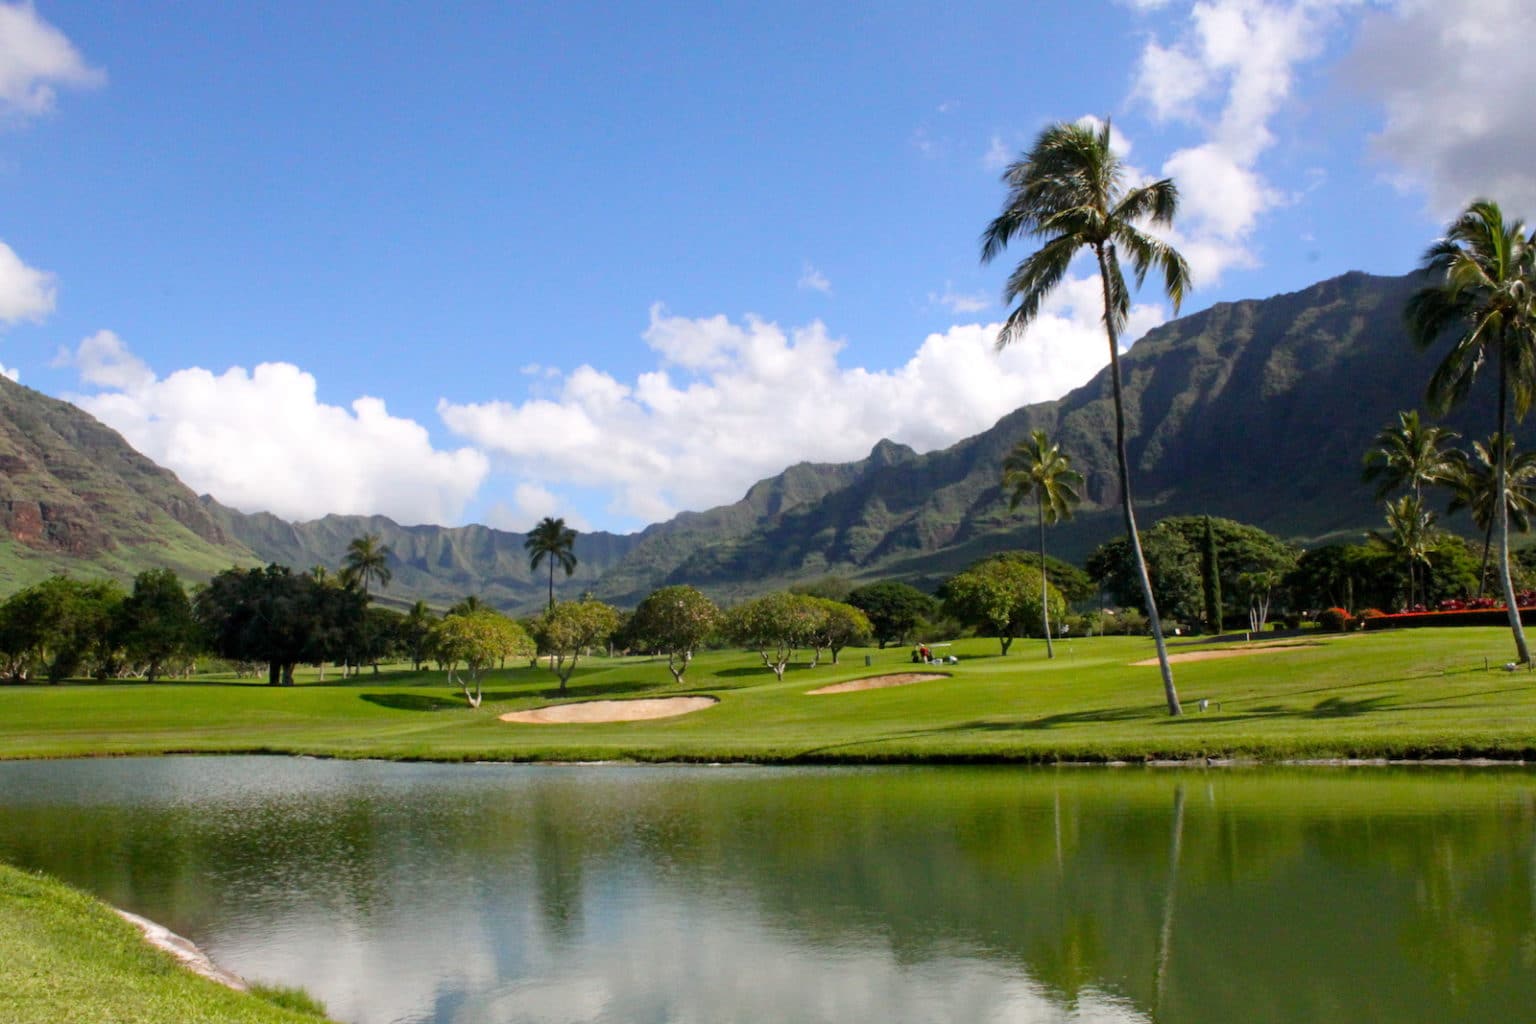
x,y
1259,411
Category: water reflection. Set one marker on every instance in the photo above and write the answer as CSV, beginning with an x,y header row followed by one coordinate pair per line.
x,y
468,894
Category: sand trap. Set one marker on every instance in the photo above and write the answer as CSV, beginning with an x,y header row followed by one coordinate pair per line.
x,y
611,710
1230,652
878,682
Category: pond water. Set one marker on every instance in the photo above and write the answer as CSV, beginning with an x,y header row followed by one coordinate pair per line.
x,y
462,894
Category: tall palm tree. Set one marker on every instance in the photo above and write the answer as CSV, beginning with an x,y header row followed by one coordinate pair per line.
x,y
1070,191
1483,300
1473,483
1411,536
367,561
1411,454
1041,468
551,540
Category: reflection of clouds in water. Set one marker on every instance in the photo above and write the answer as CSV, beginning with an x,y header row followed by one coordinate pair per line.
x,y
482,957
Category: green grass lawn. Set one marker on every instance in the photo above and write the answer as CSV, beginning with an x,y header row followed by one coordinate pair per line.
x,y
1414,693
65,957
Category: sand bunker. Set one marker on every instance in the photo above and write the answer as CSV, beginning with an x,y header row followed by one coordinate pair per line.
x,y
1230,652
878,682
611,710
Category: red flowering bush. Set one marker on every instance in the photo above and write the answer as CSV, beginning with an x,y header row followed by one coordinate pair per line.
x,y
1371,613
1335,620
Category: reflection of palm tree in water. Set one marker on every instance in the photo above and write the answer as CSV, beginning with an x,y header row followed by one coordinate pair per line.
x,y
1165,933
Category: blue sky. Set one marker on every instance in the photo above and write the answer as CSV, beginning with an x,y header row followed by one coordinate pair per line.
x,y
489,262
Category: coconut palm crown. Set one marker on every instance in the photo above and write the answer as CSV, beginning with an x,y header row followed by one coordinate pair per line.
x,y
1038,467
1412,454
367,561
1070,192
554,541
1483,300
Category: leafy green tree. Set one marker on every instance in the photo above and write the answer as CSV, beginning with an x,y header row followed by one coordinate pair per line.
x,y
1173,564
367,561
1070,191
478,640
416,633
837,625
1474,486
568,629
772,625
999,595
1210,579
155,624
554,542
1412,455
1486,270
1410,536
272,615
58,627
676,620
1039,468
833,588
467,605
894,609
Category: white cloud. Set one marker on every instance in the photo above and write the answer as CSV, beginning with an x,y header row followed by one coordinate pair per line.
x,y
530,503
1229,74
262,440
1455,79
962,303
34,58
731,403
814,280
25,293
998,155
9,373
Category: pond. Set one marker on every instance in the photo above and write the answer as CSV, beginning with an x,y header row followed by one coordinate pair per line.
x,y
462,894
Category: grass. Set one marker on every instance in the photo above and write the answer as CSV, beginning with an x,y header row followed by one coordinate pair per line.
x,y
64,956
1412,694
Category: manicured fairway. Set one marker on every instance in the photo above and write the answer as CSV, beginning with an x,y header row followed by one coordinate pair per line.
x,y
1415,694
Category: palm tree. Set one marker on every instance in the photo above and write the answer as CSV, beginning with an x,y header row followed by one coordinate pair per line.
x,y
1410,455
367,561
1041,468
551,540
1473,484
1410,535
1484,302
1070,191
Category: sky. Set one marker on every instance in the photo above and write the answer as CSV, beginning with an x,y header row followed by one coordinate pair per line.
x,y
490,262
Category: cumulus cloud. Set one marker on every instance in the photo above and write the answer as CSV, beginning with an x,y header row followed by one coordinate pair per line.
x,y
962,303
35,58
25,293
732,402
814,280
261,440
532,502
1228,74
9,374
1455,79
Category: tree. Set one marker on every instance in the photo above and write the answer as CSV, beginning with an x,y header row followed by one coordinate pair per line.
x,y
1410,537
1070,190
271,615
1257,588
479,640
569,628
1483,300
58,627
1411,455
894,609
554,542
1474,486
772,625
1210,578
998,594
416,633
467,605
155,624
675,620
367,561
836,625
1039,468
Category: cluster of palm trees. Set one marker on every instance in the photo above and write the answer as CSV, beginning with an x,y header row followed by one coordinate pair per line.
x,y
1071,192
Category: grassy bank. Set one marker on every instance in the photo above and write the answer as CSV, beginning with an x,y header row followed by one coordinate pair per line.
x,y
65,956
1420,693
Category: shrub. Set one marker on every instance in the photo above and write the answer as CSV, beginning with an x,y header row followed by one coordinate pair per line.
x,y
1371,613
1334,620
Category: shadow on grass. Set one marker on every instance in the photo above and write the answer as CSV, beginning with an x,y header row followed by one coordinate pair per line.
x,y
413,701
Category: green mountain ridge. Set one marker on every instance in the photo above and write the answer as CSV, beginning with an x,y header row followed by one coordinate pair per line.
x,y
1259,411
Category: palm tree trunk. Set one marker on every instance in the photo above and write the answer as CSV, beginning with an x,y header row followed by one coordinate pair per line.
x,y
1482,579
552,582
1045,604
1501,498
1105,254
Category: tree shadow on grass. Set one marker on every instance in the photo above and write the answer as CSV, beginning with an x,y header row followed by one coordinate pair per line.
x,y
413,701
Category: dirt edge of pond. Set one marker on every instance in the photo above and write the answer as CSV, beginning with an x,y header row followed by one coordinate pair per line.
x,y
184,950
596,711
878,682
